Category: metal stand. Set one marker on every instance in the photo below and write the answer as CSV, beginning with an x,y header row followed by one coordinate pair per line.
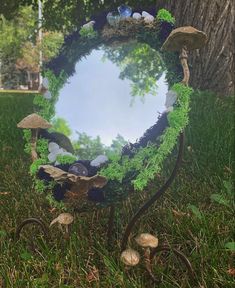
x,y
156,196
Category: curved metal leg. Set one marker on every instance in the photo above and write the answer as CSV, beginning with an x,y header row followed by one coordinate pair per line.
x,y
30,221
184,260
157,195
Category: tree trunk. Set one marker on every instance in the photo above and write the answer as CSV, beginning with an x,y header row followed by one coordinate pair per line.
x,y
212,67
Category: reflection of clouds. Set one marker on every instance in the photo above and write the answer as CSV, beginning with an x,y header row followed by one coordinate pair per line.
x,y
97,102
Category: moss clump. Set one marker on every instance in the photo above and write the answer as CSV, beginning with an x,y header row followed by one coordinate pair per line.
x,y
165,15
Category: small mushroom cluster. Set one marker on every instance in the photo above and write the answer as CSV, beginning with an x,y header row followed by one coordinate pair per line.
x,y
131,257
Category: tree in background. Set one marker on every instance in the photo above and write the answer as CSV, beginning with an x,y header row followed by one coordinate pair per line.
x,y
19,48
13,34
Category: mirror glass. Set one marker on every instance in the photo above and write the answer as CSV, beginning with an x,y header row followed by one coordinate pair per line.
x,y
115,95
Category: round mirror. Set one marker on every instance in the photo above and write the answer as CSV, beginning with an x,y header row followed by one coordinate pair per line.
x,y
116,93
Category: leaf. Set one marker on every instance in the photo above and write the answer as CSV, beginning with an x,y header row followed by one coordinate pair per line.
x,y
218,198
228,185
196,212
25,255
230,246
2,233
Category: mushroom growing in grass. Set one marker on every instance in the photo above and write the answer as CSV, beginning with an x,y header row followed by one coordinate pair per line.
x,y
147,241
130,257
63,219
34,122
184,39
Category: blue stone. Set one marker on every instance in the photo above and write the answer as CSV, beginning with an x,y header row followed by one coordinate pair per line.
x,y
125,11
113,18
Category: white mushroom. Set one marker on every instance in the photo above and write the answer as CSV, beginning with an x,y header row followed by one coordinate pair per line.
x,y
63,219
137,16
130,257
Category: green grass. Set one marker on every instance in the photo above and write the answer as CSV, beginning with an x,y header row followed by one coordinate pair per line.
x,y
84,260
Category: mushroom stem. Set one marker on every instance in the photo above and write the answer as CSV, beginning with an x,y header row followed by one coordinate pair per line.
x,y
183,59
147,262
34,136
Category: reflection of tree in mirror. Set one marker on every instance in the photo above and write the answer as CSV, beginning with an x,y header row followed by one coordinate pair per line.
x,y
140,64
87,147
62,126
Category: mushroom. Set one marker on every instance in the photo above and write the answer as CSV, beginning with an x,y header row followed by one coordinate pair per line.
x,y
184,39
63,219
147,241
34,122
130,257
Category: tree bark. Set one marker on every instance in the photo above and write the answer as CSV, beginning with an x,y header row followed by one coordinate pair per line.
x,y
212,67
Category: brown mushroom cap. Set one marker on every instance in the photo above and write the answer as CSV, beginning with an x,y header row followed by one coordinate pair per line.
x,y
34,121
130,257
184,36
147,240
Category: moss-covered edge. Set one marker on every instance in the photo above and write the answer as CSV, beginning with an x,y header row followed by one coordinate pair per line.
x,y
147,161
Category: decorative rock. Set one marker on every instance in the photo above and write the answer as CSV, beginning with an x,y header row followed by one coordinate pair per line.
x,y
52,147
137,16
145,14
52,157
47,95
130,257
113,18
101,159
45,83
88,25
171,97
78,169
124,11
149,19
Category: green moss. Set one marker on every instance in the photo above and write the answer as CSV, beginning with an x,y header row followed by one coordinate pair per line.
x,y
88,33
165,15
66,159
35,165
148,161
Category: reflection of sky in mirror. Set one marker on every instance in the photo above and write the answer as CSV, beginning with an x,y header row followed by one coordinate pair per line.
x,y
97,102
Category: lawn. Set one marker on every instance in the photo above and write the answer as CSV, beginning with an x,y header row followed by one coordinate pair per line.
x,y
195,215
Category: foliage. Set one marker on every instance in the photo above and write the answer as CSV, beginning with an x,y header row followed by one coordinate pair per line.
x,y
30,54
148,160
143,74
13,34
165,15
62,126
88,32
211,138
66,159
35,165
